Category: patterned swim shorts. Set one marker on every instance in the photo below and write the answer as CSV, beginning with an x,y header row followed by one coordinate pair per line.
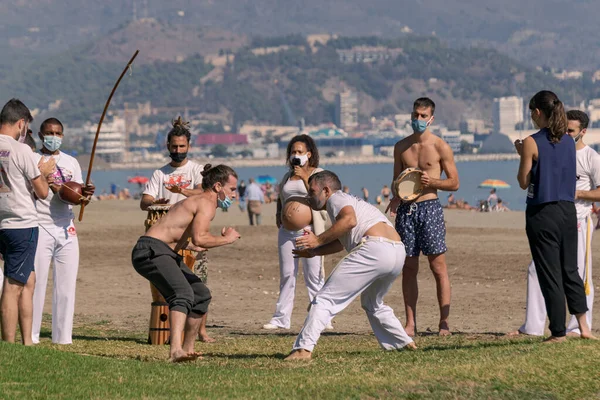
x,y
201,266
421,227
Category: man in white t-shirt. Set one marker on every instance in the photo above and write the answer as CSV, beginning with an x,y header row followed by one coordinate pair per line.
x,y
174,182
20,178
57,241
375,259
587,191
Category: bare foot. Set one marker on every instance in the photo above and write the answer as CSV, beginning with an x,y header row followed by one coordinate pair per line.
x,y
410,347
554,339
444,329
588,336
299,355
515,333
205,338
182,356
410,330
573,334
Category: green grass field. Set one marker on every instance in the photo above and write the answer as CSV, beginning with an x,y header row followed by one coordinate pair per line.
x,y
105,364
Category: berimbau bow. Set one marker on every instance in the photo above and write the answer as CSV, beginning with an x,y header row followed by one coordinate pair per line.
x,y
89,172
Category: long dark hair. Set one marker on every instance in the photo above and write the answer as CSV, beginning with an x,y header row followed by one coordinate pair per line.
x,y
311,146
549,104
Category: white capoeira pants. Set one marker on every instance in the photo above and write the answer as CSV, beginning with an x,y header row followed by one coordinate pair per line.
x,y
288,271
58,244
368,270
535,314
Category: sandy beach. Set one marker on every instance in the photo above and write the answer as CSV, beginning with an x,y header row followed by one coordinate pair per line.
x,y
487,261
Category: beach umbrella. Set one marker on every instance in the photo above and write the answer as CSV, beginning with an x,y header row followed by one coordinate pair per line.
x,y
264,179
138,179
494,183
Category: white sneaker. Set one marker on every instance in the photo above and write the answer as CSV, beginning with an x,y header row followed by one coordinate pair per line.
x,y
270,327
329,327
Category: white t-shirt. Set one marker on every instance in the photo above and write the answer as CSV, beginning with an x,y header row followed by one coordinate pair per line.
x,y
187,176
367,215
52,211
588,178
17,168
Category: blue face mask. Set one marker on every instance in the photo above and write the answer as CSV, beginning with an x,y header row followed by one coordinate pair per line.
x,y
224,204
52,143
419,125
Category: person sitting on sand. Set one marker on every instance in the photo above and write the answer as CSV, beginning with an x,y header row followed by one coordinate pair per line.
x,y
186,225
500,206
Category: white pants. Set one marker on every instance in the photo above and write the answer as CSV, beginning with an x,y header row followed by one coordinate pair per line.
x,y
370,269
535,314
58,244
288,271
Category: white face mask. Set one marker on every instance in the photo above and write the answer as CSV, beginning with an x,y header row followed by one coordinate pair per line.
x,y
303,159
22,135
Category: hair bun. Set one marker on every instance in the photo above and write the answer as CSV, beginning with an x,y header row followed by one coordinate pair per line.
x,y
207,167
179,122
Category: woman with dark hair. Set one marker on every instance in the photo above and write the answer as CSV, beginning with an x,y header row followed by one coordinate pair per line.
x,y
548,171
294,218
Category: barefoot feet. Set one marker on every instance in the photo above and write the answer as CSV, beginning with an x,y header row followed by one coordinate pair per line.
x,y
182,356
410,347
299,355
444,329
203,337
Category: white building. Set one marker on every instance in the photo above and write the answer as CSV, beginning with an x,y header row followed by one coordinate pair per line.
x,y
346,110
506,113
112,142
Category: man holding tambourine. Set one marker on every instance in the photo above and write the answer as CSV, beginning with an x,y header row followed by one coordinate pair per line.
x,y
419,160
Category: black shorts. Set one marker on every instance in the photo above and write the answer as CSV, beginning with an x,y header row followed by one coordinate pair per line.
x,y
18,250
165,269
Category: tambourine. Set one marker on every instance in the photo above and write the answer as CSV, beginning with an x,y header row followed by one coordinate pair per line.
x,y
407,186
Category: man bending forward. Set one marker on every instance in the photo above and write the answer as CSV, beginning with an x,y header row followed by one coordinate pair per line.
x,y
375,259
155,255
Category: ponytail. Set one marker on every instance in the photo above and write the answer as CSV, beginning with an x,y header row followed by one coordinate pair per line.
x,y
219,174
552,108
557,122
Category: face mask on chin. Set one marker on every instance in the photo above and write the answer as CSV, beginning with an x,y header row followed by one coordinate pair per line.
x,y
178,157
225,203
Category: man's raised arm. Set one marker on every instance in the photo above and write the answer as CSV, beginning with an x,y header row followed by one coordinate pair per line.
x,y
201,236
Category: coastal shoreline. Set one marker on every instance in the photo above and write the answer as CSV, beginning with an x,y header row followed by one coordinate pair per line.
x,y
276,162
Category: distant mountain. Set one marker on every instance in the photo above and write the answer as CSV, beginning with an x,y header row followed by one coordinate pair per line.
x,y
279,79
554,33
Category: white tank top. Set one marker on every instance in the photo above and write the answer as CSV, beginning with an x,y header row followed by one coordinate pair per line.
x,y
293,189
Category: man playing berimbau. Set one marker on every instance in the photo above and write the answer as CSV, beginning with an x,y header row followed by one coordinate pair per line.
x,y
375,260
186,225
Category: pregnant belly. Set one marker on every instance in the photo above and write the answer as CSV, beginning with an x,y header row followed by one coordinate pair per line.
x,y
296,214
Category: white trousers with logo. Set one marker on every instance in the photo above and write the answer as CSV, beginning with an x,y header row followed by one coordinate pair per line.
x,y
369,270
288,271
535,314
58,244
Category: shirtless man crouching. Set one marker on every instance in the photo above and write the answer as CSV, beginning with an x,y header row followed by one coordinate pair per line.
x,y
421,223
155,255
